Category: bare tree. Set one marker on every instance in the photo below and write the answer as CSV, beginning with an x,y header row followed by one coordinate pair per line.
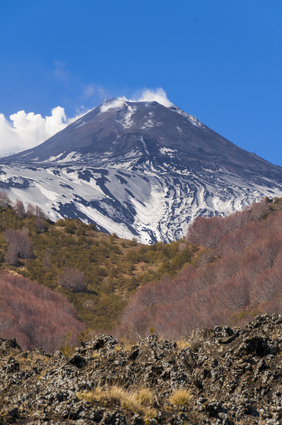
x,y
19,208
39,212
19,245
40,225
4,199
11,257
30,210
73,279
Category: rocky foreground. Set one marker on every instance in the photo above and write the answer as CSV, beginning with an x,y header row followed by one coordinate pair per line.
x,y
219,376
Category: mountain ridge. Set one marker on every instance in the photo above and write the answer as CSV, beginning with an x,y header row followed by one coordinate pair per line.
x,y
139,169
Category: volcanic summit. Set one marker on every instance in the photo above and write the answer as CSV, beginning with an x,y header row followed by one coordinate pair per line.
x,y
138,169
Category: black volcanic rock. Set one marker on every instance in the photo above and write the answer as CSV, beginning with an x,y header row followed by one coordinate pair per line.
x,y
139,169
229,376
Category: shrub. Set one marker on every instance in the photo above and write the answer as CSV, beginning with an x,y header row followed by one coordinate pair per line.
x,y
61,222
70,228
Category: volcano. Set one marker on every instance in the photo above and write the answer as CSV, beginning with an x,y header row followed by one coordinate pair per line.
x,y
138,169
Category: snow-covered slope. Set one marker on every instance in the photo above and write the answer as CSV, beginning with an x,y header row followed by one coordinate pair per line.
x,y
138,169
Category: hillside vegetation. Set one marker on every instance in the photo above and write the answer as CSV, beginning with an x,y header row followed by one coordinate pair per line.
x,y
96,272
235,275
226,271
34,315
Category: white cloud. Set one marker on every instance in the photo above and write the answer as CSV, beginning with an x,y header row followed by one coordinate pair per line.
x,y
116,103
158,95
26,130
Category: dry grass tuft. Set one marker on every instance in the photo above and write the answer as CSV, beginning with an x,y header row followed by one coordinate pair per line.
x,y
91,396
139,401
115,394
180,397
95,355
110,395
123,347
182,344
150,413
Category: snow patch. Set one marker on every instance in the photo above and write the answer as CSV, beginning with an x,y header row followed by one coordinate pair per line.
x,y
54,158
193,120
144,145
112,227
52,196
72,156
149,213
159,200
150,124
127,121
169,152
81,125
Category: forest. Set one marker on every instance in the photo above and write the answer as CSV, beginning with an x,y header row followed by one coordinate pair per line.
x,y
66,280
234,275
94,273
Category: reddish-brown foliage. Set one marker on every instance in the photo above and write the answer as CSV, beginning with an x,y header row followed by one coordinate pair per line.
x,y
4,199
19,245
19,208
30,210
39,212
206,231
239,271
36,316
73,279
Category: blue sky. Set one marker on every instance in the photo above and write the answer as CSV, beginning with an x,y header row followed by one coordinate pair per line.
x,y
218,60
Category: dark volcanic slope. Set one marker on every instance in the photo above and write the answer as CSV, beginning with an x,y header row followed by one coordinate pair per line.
x,y
117,127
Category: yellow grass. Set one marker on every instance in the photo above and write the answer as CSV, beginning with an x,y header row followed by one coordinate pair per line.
x,y
95,355
182,344
139,401
180,397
